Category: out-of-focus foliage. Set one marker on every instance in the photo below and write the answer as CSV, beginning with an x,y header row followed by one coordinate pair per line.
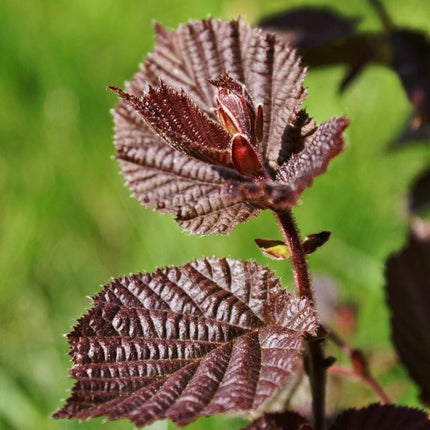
x,y
67,223
408,296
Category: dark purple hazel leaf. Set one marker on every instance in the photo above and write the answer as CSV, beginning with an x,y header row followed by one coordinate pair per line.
x,y
408,294
213,336
382,417
287,420
210,180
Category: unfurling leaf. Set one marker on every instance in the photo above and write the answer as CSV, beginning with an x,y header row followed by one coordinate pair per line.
x,y
279,250
213,336
273,248
208,128
182,124
382,417
236,110
408,295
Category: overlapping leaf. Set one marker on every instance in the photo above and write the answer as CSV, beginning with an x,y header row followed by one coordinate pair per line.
x,y
173,150
382,417
213,336
408,293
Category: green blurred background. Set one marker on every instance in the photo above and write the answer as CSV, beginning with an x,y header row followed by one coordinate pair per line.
x,y
67,224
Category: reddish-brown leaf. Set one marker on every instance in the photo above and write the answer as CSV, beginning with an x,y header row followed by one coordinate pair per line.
x,y
254,82
162,177
408,294
213,336
382,417
301,169
181,124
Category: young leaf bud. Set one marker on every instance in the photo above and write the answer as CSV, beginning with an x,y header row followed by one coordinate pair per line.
x,y
244,157
236,110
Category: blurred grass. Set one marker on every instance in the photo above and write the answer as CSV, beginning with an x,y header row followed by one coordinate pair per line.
x,y
67,224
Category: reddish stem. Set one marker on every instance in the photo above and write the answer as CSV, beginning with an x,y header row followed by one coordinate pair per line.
x,y
298,256
314,358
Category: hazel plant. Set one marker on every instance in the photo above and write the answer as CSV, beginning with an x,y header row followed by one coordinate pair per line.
x,y
212,130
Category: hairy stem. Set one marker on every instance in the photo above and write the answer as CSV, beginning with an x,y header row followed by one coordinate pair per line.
x,y
298,256
314,358
360,367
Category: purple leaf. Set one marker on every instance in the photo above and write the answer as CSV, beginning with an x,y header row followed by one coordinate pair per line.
x,y
213,336
175,183
287,420
230,102
408,294
382,417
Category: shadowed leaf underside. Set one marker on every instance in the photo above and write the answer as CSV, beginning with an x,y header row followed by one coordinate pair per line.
x,y
178,157
213,336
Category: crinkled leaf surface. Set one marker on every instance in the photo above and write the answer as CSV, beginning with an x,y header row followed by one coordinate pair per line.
x,y
173,152
312,161
213,336
382,417
408,294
